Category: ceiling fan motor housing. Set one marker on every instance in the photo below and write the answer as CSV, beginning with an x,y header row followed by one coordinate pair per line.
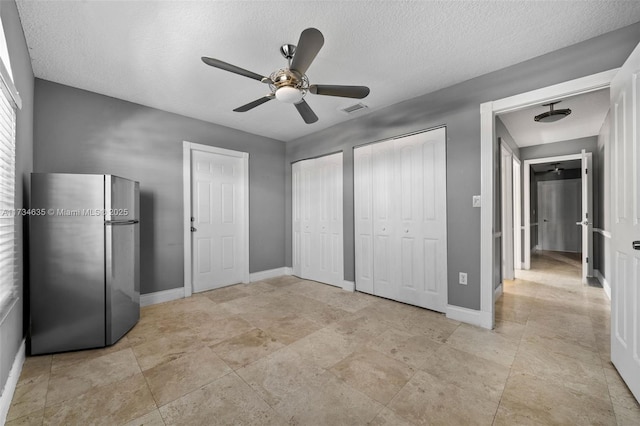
x,y
289,86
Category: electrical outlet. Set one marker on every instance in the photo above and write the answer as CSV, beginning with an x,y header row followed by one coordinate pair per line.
x,y
462,278
477,201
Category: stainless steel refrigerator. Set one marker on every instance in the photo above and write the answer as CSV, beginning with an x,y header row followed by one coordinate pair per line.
x,y
84,245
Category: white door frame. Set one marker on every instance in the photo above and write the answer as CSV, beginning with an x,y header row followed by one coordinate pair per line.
x,y
187,147
517,214
488,111
507,211
527,198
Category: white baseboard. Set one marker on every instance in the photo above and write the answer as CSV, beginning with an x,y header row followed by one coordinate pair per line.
x,y
605,284
497,292
12,381
288,270
349,285
161,296
271,273
470,316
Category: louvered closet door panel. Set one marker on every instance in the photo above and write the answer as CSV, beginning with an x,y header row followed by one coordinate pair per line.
x,y
385,243
309,250
424,221
317,219
296,190
363,225
329,228
400,219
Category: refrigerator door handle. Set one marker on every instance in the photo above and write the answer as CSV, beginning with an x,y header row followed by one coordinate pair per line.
x,y
121,222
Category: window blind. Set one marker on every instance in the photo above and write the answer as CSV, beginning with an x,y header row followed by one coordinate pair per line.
x,y
8,216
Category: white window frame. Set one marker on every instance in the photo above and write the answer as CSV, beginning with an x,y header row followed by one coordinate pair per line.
x,y
8,278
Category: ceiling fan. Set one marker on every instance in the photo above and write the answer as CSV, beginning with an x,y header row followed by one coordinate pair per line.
x,y
557,170
290,85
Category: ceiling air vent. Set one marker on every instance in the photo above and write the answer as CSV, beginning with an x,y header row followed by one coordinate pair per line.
x,y
353,108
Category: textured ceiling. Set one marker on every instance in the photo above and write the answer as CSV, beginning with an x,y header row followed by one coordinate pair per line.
x,y
149,52
588,112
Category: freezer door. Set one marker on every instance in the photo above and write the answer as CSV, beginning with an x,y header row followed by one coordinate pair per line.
x,y
122,236
66,291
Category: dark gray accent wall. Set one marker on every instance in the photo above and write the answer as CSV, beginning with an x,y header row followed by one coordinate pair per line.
x,y
12,326
77,131
458,108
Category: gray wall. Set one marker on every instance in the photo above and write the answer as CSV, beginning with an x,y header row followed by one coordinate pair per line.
x,y
83,132
573,146
11,330
503,133
457,107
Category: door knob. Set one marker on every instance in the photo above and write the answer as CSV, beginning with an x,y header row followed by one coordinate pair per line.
x,y
636,245
193,229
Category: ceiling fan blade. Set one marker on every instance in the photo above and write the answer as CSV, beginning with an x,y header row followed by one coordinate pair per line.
x,y
216,63
310,43
306,112
251,105
357,92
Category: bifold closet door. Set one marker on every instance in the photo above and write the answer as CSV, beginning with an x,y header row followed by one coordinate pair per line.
x,y
400,219
317,219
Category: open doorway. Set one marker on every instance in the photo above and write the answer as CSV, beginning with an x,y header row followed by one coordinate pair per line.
x,y
557,190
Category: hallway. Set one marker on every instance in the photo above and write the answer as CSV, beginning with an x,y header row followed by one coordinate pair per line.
x,y
562,371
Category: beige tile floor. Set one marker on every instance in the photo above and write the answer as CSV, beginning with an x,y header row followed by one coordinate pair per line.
x,y
288,351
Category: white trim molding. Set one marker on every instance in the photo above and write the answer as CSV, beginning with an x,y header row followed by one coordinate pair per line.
x,y
161,296
470,316
349,286
488,112
602,232
12,382
498,292
605,284
187,147
265,275
288,270
527,200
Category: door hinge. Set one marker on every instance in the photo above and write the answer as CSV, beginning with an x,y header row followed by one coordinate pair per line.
x,y
586,171
587,260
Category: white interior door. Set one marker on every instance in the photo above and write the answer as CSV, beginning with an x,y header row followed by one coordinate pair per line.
x,y
625,286
400,223
218,209
317,219
587,216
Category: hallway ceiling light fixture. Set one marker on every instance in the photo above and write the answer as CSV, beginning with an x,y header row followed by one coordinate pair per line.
x,y
553,114
557,170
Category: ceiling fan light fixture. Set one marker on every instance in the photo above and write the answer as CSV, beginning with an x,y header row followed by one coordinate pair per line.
x,y
289,95
553,114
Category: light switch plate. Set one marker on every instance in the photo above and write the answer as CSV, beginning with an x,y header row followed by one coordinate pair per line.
x,y
476,201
